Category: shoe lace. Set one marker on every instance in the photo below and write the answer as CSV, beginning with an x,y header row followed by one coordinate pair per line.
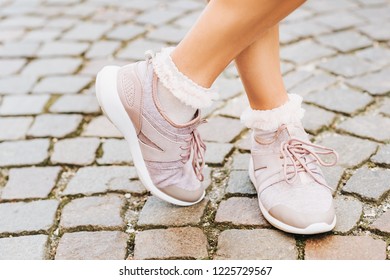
x,y
197,147
300,155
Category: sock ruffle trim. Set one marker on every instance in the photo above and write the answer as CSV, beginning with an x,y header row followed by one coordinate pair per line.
x,y
290,112
182,87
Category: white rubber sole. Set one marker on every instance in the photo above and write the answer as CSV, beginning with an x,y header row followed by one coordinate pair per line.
x,y
312,229
108,98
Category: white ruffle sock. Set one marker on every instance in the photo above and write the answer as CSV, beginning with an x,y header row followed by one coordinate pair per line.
x,y
179,96
271,120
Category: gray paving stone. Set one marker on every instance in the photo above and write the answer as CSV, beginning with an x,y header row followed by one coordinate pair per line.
x,y
14,128
385,108
367,126
92,67
103,211
188,20
294,78
16,84
316,119
168,33
345,41
30,247
348,212
240,211
55,125
348,65
157,16
125,32
371,184
315,83
86,104
169,214
376,31
127,185
115,151
244,143
235,107
305,51
102,49
217,152
101,127
63,22
23,105
376,54
75,151
171,244
240,161
30,182
305,29
339,20
61,48
382,156
27,152
87,31
11,34
331,5
239,183
346,147
99,245
333,247
62,84
89,180
114,15
11,66
238,244
18,49
228,88
374,14
23,21
135,50
27,216
42,35
52,66
215,130
333,176
382,223
340,100
374,83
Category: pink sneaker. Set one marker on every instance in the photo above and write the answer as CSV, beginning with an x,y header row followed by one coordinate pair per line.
x,y
169,157
292,192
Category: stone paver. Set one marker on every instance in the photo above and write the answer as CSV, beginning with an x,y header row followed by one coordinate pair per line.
x,y
215,130
90,180
77,151
101,127
370,184
383,155
239,183
27,216
31,247
157,212
55,125
101,245
348,212
14,128
62,84
93,211
248,213
115,151
383,223
86,104
335,54
23,152
171,244
346,147
340,100
30,182
345,248
23,105
270,245
368,126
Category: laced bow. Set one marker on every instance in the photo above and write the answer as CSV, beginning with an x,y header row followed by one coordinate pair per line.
x,y
197,147
300,155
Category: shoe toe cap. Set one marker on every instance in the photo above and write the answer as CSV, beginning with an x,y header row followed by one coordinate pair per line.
x,y
183,194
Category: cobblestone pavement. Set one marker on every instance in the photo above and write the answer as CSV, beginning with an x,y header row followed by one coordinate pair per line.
x,y
68,188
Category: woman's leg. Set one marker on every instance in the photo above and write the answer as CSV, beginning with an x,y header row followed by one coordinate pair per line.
x,y
224,30
259,68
